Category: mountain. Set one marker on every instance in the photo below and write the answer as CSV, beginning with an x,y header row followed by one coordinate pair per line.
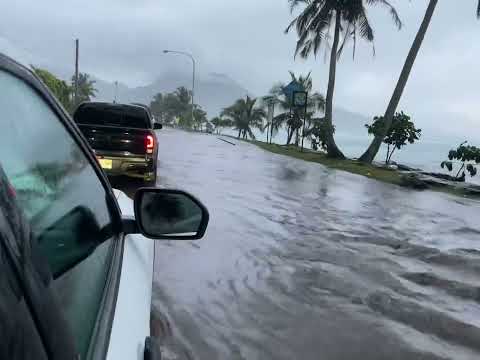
x,y
213,92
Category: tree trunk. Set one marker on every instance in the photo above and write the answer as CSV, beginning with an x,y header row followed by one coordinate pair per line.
x,y
297,136
271,132
332,148
290,134
372,150
239,133
391,154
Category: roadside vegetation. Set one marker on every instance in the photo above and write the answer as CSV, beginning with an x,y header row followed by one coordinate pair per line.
x,y
65,92
175,109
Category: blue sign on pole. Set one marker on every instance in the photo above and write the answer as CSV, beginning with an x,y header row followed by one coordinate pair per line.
x,y
294,86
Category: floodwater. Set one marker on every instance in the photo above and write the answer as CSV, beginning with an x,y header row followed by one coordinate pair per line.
x,y
303,262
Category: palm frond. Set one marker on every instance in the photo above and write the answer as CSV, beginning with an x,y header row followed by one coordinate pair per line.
x,y
314,23
366,30
393,12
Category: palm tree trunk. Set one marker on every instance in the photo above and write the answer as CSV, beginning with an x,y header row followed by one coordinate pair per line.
x,y
372,150
271,132
332,148
289,135
297,137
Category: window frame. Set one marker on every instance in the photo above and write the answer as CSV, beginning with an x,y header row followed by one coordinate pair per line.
x,y
100,337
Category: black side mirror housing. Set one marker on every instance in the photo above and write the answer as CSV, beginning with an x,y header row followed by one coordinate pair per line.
x,y
157,126
167,214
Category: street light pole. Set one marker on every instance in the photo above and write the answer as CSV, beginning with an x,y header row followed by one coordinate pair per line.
x,y
75,96
193,72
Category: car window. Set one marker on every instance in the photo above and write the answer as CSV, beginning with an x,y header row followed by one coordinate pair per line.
x,y
112,115
63,199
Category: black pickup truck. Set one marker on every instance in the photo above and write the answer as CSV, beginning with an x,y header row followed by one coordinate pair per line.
x,y
122,137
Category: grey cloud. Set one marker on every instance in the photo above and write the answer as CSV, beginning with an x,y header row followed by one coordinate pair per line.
x,y
124,40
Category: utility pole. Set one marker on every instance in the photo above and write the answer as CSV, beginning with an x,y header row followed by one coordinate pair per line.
x,y
76,72
116,91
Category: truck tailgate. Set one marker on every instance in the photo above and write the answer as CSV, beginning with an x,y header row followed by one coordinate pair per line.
x,y
112,138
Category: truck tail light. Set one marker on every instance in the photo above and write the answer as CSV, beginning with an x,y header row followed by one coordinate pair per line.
x,y
149,144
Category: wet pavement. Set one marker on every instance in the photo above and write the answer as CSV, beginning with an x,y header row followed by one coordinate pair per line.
x,y
303,262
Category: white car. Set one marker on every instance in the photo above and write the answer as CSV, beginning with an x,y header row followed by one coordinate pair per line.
x,y
76,257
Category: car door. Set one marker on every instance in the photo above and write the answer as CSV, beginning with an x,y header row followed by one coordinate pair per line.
x,y
72,213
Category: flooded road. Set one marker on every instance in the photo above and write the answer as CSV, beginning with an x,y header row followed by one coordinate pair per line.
x,y
303,262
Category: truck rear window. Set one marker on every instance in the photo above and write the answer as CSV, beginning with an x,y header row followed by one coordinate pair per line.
x,y
113,115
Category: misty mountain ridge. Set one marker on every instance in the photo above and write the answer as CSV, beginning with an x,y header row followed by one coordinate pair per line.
x,y
212,92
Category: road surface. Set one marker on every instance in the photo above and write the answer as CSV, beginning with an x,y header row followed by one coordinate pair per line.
x,y
303,262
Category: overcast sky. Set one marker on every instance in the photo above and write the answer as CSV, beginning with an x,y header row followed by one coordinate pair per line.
x,y
123,40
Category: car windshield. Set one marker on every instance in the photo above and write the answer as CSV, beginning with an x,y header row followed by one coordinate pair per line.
x,y
112,115
335,143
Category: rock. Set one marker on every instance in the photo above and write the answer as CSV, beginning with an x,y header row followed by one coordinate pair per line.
x,y
413,180
402,167
444,177
430,180
471,189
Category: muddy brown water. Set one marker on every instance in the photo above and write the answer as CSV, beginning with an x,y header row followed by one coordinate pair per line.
x,y
304,262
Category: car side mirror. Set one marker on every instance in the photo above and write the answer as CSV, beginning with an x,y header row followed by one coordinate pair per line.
x,y
157,126
169,214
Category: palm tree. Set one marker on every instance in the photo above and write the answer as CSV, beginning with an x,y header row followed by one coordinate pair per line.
x,y
274,97
244,116
372,150
85,88
348,19
293,120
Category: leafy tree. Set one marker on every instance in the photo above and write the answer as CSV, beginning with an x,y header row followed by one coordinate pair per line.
x,y
293,120
401,132
217,122
200,117
85,89
244,116
226,123
158,110
176,106
347,19
183,95
372,150
318,133
468,156
58,87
